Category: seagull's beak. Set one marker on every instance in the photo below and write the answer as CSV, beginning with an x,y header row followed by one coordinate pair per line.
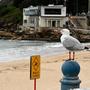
x,y
61,31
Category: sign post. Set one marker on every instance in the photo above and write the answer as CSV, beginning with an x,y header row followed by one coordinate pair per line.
x,y
35,68
34,84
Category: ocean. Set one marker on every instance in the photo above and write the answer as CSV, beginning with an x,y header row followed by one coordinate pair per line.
x,y
21,49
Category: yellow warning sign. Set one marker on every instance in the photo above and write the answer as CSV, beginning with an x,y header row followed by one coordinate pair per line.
x,y
35,67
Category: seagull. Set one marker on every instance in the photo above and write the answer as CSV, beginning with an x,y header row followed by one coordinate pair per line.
x,y
71,43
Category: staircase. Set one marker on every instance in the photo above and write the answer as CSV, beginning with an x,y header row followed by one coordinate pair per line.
x,y
78,22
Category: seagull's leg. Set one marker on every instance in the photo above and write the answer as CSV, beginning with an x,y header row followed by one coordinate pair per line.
x,y
73,56
69,55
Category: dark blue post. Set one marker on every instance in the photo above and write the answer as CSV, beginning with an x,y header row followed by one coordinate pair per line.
x,y
70,80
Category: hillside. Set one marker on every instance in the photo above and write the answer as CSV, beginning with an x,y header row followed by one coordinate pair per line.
x,y
11,17
10,13
11,10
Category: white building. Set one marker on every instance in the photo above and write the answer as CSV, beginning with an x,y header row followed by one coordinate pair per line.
x,y
44,16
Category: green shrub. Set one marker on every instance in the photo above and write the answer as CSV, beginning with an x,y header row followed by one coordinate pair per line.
x,y
10,14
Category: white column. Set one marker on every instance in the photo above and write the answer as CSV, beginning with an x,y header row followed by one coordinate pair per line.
x,y
35,22
51,22
46,22
56,24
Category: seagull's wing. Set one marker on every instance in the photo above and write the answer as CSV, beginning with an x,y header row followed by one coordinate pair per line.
x,y
72,44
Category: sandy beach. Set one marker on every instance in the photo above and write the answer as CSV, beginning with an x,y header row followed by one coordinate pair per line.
x,y
15,75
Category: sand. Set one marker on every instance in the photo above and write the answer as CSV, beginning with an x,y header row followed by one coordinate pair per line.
x,y
15,75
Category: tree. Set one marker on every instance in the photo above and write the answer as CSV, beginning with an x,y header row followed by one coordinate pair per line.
x,y
77,6
17,2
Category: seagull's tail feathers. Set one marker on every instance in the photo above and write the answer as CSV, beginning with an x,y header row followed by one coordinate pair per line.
x,y
87,48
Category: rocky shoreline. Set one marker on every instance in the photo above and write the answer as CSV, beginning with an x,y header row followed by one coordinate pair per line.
x,y
19,36
50,35
82,35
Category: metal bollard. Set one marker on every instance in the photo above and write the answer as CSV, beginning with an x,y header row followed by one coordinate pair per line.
x,y
70,80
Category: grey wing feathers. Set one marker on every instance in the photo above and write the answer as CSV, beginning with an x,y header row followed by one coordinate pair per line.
x,y
71,43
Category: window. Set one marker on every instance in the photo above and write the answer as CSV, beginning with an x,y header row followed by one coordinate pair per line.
x,y
53,23
58,23
32,20
25,21
54,11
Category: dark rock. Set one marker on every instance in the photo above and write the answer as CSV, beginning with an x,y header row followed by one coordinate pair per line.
x,y
81,34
